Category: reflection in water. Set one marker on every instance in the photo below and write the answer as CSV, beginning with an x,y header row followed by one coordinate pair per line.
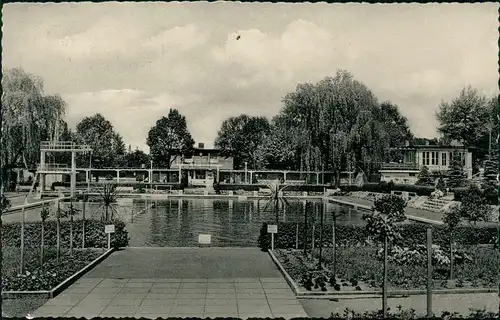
x,y
177,223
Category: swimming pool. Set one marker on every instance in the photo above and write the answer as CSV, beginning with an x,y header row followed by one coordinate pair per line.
x,y
178,222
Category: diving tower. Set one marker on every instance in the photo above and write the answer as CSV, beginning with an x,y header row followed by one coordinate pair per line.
x,y
45,168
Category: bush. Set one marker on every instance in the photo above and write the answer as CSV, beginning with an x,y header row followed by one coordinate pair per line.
x,y
353,235
384,187
94,234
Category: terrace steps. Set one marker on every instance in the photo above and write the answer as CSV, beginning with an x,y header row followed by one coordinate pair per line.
x,y
434,205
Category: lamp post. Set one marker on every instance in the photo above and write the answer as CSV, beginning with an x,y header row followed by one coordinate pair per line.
x,y
151,176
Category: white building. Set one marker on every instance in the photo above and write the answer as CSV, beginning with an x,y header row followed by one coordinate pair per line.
x,y
436,158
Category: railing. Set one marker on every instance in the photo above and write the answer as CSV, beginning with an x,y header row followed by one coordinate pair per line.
x,y
54,167
63,145
195,165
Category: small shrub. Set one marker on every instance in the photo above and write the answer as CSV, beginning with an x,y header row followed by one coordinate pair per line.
x,y
332,281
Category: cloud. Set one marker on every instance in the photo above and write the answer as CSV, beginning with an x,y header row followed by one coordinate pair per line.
x,y
264,57
133,61
177,39
131,112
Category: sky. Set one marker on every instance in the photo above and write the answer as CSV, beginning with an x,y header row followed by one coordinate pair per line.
x,y
132,62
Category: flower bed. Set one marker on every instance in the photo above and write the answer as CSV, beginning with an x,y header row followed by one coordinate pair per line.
x,y
411,314
360,268
36,277
304,272
94,234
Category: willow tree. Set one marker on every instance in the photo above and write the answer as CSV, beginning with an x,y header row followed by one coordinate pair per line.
x,y
28,117
333,123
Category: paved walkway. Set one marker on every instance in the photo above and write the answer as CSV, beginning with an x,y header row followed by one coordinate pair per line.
x,y
182,263
184,282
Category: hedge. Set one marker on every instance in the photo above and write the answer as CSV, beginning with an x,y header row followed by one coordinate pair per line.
x,y
256,187
94,234
352,235
384,187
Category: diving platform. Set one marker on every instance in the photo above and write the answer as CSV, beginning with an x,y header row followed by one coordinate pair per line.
x,y
63,146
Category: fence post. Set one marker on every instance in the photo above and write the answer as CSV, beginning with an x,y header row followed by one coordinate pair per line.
x,y
429,273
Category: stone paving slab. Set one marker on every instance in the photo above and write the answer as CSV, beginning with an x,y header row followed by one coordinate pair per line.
x,y
153,298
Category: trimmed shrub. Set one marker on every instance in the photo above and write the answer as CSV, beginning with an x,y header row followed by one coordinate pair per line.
x,y
354,235
94,234
384,187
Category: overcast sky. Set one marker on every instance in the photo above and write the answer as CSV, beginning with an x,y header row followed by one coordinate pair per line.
x,y
131,62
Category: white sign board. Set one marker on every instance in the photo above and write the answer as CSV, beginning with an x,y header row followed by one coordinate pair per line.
x,y
110,228
272,228
204,238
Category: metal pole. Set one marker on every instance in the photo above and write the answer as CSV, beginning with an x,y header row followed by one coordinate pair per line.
x,y
429,273
384,285
151,175
21,267
83,221
245,172
321,237
109,241
272,241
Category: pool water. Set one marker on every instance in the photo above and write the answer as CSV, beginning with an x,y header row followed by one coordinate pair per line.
x,y
231,223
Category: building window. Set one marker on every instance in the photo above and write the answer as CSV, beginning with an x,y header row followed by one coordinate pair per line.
x,y
434,159
425,158
443,159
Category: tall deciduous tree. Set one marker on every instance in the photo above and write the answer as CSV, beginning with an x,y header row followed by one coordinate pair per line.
x,y
396,127
240,137
277,150
335,124
466,118
136,158
28,117
489,182
169,139
97,132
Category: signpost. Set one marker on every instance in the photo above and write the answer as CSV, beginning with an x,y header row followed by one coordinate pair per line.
x,y
272,229
109,229
204,238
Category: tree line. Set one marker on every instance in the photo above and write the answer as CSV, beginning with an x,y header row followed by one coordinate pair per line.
x,y
335,124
